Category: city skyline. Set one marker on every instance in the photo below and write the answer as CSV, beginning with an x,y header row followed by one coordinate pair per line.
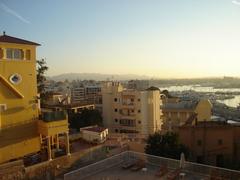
x,y
164,39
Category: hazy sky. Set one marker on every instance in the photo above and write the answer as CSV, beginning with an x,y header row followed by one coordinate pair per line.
x,y
160,38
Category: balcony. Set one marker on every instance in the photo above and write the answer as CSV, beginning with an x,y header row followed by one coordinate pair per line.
x,y
52,123
127,115
128,122
128,105
53,116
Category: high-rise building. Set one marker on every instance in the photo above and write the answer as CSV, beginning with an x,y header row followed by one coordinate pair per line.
x,y
131,111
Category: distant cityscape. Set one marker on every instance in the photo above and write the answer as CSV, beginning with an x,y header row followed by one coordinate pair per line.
x,y
70,129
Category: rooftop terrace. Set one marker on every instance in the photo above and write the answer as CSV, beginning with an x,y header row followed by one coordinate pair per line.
x,y
149,167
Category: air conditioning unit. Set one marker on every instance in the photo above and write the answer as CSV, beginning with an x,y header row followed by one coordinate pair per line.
x,y
3,107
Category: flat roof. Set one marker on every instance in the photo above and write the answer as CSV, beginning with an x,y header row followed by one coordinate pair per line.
x,y
95,129
112,169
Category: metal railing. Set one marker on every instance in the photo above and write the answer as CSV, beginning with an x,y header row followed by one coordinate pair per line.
x,y
193,169
53,116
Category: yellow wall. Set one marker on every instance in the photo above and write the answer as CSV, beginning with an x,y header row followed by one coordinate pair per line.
x,y
14,151
15,140
52,128
204,110
19,109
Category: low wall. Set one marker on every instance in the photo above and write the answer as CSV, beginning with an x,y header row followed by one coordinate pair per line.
x,y
12,170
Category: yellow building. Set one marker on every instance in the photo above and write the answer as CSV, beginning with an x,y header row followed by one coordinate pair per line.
x,y
177,113
131,111
20,133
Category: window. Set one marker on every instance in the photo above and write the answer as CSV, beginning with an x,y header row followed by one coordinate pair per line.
x,y
199,142
116,110
139,99
15,79
116,120
116,130
132,100
139,111
115,99
220,142
28,54
14,54
139,122
132,110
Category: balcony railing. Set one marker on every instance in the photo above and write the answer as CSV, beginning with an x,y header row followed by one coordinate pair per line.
x,y
53,116
128,103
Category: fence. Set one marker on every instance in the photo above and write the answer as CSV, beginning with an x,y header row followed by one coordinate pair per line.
x,y
193,168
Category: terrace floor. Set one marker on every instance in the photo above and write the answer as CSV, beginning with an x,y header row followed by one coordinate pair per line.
x,y
112,169
117,173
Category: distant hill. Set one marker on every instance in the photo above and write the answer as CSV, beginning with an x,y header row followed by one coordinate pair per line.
x,y
97,76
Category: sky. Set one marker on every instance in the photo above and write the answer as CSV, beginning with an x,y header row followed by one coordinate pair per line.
x,y
157,38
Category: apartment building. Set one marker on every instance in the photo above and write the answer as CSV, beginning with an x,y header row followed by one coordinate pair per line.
x,y
77,94
131,111
177,113
21,131
210,142
84,93
91,92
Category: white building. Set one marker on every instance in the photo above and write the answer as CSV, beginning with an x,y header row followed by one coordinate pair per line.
x,y
94,134
131,111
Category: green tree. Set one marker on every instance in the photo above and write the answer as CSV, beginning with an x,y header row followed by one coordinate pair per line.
x,y
41,78
86,118
166,145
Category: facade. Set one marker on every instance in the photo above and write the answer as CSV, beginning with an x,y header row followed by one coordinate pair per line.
x,y
177,113
91,93
131,111
214,143
77,94
84,94
20,133
94,134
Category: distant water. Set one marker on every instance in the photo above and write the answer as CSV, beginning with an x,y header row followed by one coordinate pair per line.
x,y
198,88
234,102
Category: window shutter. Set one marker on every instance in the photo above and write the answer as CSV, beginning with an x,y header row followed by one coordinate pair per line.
x,y
1,53
28,54
22,54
